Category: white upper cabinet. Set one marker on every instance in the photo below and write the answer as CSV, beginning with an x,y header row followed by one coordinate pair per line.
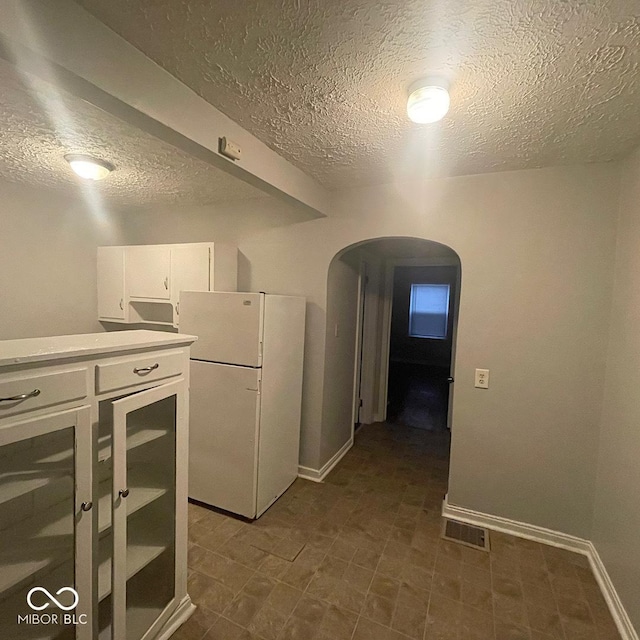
x,y
142,283
111,297
148,273
224,268
190,269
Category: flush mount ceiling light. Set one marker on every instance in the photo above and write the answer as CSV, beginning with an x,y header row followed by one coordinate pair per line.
x,y
428,101
88,167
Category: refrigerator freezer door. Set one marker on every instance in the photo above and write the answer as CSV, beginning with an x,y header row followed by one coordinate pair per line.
x,y
223,436
228,326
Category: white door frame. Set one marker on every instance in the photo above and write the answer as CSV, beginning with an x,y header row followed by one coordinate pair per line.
x,y
367,339
387,307
360,329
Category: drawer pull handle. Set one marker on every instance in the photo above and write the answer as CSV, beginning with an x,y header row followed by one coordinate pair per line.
x,y
22,396
86,506
124,493
121,304
166,284
140,370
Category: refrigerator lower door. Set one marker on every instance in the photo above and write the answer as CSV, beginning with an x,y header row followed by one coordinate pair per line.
x,y
223,436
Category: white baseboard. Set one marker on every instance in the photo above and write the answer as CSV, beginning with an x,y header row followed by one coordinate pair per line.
x,y
555,539
515,528
318,475
619,613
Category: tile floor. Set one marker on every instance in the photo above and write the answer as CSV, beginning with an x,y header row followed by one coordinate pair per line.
x,y
359,557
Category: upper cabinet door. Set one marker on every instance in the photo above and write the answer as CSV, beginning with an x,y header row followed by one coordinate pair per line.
x,y
149,272
189,269
111,298
224,268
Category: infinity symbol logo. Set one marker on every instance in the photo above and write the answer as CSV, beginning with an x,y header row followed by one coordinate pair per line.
x,y
76,598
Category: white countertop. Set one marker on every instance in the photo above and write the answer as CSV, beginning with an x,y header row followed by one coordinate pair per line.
x,y
85,344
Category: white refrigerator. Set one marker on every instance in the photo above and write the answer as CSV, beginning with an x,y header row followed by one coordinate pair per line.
x,y
245,397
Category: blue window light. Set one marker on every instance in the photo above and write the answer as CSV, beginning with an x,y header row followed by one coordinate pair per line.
x,y
429,311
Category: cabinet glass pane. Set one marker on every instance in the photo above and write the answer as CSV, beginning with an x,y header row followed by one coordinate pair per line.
x,y
37,536
151,453
150,508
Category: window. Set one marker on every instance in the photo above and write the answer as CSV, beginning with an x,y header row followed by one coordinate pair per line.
x,y
429,311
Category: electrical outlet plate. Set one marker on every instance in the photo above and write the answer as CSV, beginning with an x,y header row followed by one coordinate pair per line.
x,y
482,379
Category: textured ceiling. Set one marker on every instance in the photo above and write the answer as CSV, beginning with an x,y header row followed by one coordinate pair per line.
x,y
39,125
323,82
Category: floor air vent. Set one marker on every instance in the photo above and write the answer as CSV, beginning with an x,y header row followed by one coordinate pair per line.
x,y
466,534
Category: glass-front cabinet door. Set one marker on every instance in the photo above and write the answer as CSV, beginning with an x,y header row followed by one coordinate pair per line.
x,y
137,522
45,527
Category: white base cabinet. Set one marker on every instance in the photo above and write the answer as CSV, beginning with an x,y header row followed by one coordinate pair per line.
x,y
93,487
142,283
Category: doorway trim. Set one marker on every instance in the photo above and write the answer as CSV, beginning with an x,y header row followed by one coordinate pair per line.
x,y
365,386
363,283
387,307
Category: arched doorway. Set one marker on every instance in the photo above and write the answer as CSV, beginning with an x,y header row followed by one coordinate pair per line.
x,y
400,297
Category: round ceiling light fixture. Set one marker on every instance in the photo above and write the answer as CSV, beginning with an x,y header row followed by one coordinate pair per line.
x,y
428,101
88,167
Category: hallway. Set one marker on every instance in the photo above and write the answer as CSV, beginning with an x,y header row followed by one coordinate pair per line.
x,y
418,396
359,557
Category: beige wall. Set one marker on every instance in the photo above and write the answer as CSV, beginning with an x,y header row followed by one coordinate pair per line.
x,y
536,250
617,505
48,262
340,343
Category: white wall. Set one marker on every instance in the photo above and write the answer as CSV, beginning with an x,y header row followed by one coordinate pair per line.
x,y
536,251
340,352
48,262
617,507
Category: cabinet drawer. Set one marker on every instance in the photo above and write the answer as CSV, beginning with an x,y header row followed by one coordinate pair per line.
x,y
137,370
41,390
